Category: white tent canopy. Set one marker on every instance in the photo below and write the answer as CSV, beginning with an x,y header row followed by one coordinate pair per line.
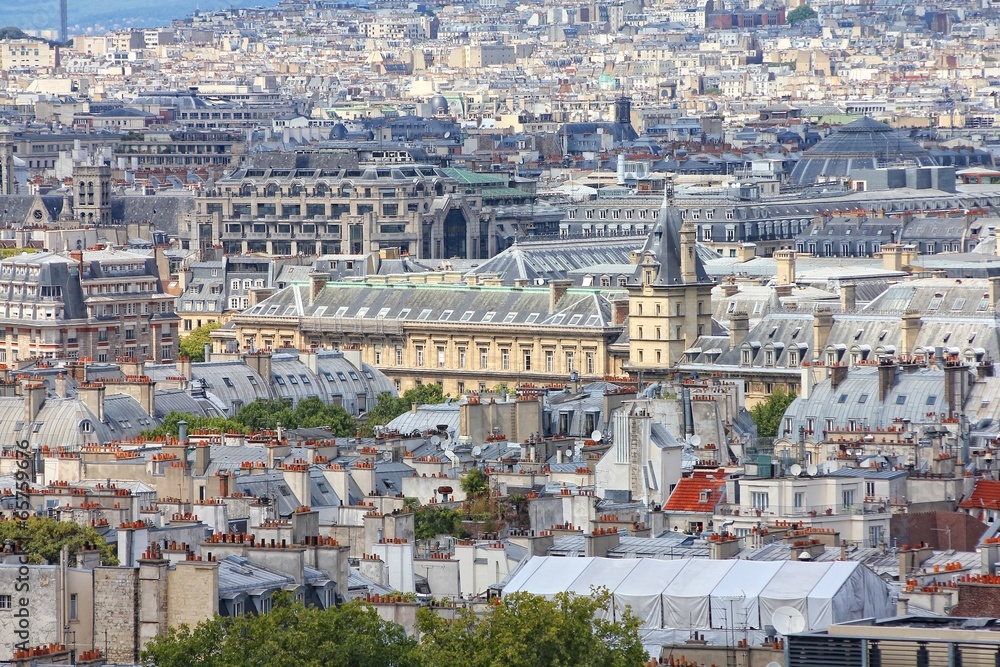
x,y
734,600
790,588
685,602
649,576
673,597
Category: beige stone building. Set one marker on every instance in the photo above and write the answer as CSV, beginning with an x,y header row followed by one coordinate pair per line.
x,y
462,336
670,297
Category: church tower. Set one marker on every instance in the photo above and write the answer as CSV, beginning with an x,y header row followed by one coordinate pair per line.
x,y
92,193
8,183
670,295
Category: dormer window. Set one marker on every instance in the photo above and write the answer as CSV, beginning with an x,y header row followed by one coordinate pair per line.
x,y
703,495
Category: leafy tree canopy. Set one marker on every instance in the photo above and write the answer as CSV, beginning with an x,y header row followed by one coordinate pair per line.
x,y
42,538
768,415
526,630
800,14
389,407
192,346
522,630
291,635
430,521
475,484
261,415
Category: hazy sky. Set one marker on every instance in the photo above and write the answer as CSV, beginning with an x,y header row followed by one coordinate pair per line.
x,y
44,14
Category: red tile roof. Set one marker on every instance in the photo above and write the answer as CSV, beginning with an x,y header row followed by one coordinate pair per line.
x,y
985,495
688,497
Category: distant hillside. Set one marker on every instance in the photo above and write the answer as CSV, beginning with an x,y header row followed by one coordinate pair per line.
x,y
88,14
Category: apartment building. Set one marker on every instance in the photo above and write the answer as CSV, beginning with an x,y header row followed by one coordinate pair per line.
x,y
424,211
101,304
27,55
464,337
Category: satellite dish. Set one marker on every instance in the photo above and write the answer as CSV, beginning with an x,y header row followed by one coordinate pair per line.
x,y
772,664
387,455
477,451
795,470
435,440
812,470
569,452
596,436
788,620
867,463
695,440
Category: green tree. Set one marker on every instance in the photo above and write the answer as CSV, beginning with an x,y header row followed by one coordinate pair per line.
x,y
387,407
170,425
526,630
192,346
768,414
310,412
430,521
800,14
291,635
475,484
42,539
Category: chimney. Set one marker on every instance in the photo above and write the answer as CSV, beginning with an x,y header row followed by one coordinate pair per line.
x,y
807,381
183,366
317,281
202,457
739,327
822,323
208,352
182,432
746,251
892,257
910,327
34,398
785,260
598,543
619,311
92,395
848,299
557,288
260,362
729,289
886,376
838,373
60,383
994,289
689,253
955,385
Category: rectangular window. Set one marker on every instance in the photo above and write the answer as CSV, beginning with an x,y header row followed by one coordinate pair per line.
x,y
760,500
548,361
399,356
484,358
74,604
527,361
570,359
590,363
505,359
461,357
420,355
799,499
5,602
440,352
848,497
